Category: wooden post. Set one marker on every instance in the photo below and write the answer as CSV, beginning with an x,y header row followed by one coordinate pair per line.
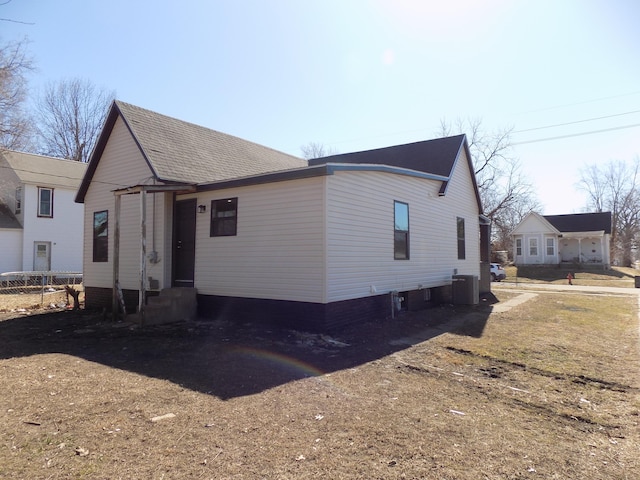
x,y
116,260
143,255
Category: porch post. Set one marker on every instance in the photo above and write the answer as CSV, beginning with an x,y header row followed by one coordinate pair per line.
x,y
116,260
579,250
143,255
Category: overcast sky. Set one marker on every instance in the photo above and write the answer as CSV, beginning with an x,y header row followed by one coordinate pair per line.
x,y
355,74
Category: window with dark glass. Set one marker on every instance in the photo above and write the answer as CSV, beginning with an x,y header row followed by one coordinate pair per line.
x,y
224,217
401,231
18,199
45,202
101,236
461,243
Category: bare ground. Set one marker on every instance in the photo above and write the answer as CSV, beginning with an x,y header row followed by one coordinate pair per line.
x,y
545,390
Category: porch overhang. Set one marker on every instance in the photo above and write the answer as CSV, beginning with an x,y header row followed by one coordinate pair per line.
x,y
578,235
141,190
134,189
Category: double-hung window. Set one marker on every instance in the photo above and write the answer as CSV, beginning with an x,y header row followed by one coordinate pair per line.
x,y
224,217
45,202
551,248
533,247
401,231
518,247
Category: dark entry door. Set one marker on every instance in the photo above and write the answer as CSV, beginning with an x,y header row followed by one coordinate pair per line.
x,y
184,242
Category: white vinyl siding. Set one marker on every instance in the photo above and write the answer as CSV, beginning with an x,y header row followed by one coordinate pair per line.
x,y
123,165
63,230
277,252
360,241
11,257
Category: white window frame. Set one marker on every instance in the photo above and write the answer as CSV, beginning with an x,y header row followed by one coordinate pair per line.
x,y
551,246
18,200
48,214
518,247
533,247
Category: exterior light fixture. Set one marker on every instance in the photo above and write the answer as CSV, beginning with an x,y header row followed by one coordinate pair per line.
x,y
202,208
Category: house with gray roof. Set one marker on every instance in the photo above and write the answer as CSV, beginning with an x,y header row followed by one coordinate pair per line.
x,y
174,210
41,225
573,239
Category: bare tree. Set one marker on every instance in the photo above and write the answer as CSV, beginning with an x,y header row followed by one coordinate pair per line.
x,y
615,187
316,150
506,194
15,125
70,115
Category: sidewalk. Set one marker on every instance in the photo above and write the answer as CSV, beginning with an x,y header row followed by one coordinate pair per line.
x,y
542,287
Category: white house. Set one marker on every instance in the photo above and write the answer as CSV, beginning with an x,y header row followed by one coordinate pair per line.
x,y
581,238
261,233
40,222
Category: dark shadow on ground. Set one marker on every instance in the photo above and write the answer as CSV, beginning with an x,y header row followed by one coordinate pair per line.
x,y
224,359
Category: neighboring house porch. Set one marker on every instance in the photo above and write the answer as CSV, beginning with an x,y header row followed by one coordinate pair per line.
x,y
583,238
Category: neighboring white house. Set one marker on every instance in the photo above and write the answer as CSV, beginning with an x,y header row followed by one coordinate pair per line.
x,y
259,232
581,238
40,223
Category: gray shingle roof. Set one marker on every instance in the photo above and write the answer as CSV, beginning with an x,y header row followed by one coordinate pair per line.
x,y
45,171
581,222
182,152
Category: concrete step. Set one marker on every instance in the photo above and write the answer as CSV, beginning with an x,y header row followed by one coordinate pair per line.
x,y
172,305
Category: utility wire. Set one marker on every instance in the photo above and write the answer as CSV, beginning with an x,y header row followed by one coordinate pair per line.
x,y
576,134
577,121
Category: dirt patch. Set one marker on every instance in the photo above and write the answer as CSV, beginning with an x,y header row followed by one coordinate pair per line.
x,y
449,393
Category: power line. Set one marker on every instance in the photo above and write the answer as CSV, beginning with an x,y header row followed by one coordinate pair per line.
x,y
577,134
577,121
583,102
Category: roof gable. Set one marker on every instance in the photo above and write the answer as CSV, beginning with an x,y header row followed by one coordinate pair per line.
x,y
182,152
581,222
534,223
435,157
46,171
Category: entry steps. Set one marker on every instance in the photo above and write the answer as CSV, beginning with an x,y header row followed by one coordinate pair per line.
x,y
172,305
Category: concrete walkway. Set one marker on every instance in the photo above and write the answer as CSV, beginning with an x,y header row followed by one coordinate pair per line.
x,y
546,287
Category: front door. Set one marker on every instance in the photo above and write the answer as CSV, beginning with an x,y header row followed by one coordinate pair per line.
x,y
41,256
184,243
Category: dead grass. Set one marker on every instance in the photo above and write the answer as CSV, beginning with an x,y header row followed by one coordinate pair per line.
x,y
35,301
615,277
547,390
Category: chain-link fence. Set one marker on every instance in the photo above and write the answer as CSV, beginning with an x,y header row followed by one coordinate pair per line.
x,y
37,289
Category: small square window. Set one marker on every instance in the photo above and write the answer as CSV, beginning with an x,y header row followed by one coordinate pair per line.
x,y
224,218
45,202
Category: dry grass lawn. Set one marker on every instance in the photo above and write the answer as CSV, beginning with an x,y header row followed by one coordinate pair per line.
x,y
546,390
